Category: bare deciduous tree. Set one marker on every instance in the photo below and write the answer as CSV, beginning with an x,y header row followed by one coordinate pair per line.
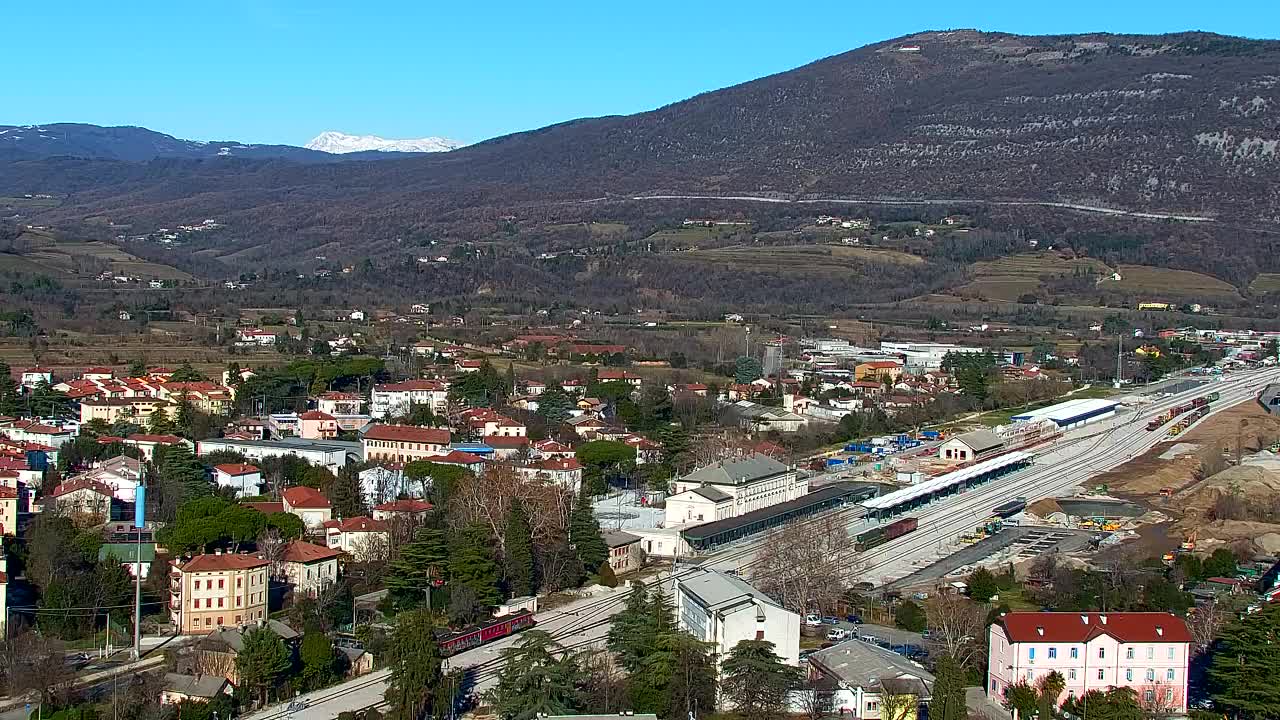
x,y
807,565
1205,624
954,622
271,548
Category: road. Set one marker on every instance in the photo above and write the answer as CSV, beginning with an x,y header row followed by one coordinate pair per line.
x,y
1079,455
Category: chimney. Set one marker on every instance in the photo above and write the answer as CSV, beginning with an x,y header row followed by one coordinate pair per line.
x,y
1103,618
218,551
1084,619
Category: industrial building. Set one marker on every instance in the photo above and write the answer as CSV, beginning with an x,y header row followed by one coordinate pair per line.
x,y
1072,413
924,356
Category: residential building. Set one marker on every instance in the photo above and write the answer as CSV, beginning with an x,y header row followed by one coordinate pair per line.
x,y
83,496
317,425
111,410
588,426
485,423
33,431
563,471
753,482
331,454
878,370
550,449
121,473
148,444
397,399
309,504
1147,651
625,554
924,356
404,443
863,673
724,610
217,651
406,508
33,376
339,403
246,480
763,418
203,395
363,538
255,336
970,446
309,568
179,688
507,447
605,375
464,460
210,591
136,557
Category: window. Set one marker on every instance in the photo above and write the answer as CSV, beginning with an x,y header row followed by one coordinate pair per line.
x,y
1171,652
1128,675
1031,675
1031,654
872,706
238,600
1151,653
208,602
238,580
1102,653
237,619
219,602
1053,653
759,634
1150,695
1075,653
1101,674
208,622
1168,695
1071,674
220,620
1168,675
221,583
1128,653
1151,675
995,686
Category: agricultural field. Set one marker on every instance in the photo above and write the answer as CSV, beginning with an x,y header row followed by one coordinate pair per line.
x,y
43,253
1011,277
1265,283
1162,282
13,204
597,229
800,258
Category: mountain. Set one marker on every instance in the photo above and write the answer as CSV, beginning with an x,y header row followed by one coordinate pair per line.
x,y
1181,124
340,144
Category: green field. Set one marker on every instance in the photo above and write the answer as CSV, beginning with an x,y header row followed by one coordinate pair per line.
x,y
1265,283
1008,278
1162,282
820,259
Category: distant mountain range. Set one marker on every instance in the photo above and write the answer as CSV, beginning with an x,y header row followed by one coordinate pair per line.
x,y
136,144
1181,123
340,144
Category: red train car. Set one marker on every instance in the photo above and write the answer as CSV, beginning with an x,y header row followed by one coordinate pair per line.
x,y
478,635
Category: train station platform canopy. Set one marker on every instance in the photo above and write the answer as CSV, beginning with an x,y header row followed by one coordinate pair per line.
x,y
720,532
949,481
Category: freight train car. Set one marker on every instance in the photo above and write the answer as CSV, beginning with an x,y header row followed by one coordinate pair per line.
x,y
1013,507
885,533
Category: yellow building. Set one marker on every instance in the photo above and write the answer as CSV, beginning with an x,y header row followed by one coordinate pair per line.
x,y
212,591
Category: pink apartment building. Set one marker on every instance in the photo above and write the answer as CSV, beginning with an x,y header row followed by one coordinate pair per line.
x,y
1146,651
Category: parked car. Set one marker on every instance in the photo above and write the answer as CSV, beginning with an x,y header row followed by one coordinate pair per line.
x,y
837,634
830,620
855,619
812,620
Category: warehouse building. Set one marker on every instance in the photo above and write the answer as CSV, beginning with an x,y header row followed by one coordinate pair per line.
x,y
1072,413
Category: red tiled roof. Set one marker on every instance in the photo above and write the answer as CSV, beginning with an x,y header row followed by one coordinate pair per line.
x,y
98,371
457,457
158,439
502,442
404,505
557,464
266,508
412,385
225,561
1069,627
305,497
315,415
359,523
408,433
109,439
881,364
71,486
305,552
237,469
552,446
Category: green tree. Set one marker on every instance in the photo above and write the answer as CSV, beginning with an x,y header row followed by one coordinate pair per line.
x,y
414,661
629,636
606,576
345,494
602,461
537,679
1222,563
982,585
756,680
45,401
186,373
1161,595
1051,687
436,480
1245,666
289,526
554,404
471,566
584,533
420,566
182,471
910,616
948,691
1120,703
262,662
747,369
318,659
518,562
9,397
1023,698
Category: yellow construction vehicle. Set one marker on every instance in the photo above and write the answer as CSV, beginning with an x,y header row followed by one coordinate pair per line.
x,y
1190,543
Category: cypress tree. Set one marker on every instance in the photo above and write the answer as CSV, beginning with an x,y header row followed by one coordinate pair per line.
x,y
420,563
471,564
584,533
346,495
519,552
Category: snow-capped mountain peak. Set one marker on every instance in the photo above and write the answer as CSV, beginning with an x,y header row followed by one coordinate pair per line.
x,y
340,143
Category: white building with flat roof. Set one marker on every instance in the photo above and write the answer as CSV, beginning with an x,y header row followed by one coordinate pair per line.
x,y
924,356
724,610
1072,413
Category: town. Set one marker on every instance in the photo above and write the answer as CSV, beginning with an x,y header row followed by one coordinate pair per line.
x,y
849,527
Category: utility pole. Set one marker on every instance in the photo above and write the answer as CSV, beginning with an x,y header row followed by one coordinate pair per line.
x,y
139,521
1119,359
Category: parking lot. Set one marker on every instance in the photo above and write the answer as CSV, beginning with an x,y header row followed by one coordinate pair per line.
x,y
1023,542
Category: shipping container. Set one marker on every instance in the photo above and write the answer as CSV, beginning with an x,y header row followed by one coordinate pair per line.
x,y
1013,507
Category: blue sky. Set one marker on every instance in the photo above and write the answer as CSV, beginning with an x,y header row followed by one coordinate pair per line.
x,y
281,71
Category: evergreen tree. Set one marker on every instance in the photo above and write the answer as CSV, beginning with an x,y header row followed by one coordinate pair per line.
x,y
537,679
518,562
948,691
9,399
756,680
982,585
747,369
584,533
262,662
511,379
419,566
414,660
186,373
317,659
606,576
554,405
629,637
181,470
43,400
471,565
346,496
1245,667
910,616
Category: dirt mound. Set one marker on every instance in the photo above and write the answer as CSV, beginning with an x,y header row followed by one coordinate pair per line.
x,y
1264,537
1258,486
1044,508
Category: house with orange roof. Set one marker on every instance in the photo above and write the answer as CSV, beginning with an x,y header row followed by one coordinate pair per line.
x,y
245,479
308,567
565,472
148,444
33,376
404,443
409,508
216,590
317,425
339,403
362,538
309,504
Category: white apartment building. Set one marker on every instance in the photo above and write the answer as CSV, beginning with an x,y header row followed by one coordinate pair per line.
x,y
396,399
724,610
733,487
1147,651
924,356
